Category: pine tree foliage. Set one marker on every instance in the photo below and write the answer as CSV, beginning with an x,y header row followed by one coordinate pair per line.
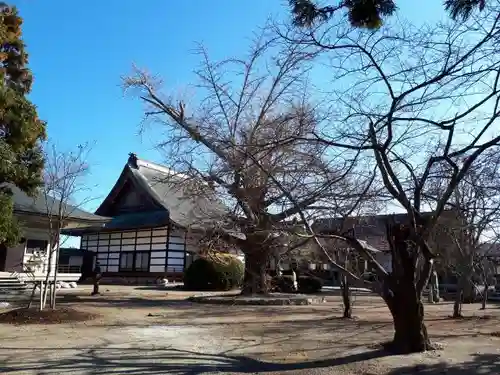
x,y
462,9
21,131
369,14
361,13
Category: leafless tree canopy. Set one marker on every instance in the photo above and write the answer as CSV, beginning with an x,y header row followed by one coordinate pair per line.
x,y
396,107
473,239
64,179
476,201
64,189
415,101
248,138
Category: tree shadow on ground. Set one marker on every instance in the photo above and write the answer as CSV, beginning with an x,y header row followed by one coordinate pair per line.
x,y
160,361
137,361
484,364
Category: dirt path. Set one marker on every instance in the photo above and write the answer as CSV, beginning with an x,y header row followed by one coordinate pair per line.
x,y
155,333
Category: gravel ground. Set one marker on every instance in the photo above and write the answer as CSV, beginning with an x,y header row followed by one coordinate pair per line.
x,y
151,332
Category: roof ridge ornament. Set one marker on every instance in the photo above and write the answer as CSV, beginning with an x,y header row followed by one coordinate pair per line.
x,y
132,160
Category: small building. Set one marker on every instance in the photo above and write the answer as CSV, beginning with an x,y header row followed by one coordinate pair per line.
x,y
156,221
29,259
372,229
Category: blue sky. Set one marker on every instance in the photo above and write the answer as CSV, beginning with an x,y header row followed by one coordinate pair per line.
x,y
79,50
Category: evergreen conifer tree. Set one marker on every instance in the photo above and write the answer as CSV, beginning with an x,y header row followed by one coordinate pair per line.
x,y
370,14
21,131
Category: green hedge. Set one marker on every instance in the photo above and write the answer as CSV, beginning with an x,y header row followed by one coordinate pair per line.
x,y
309,284
305,284
214,272
282,284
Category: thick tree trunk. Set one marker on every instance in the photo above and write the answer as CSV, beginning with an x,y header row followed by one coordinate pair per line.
x,y
402,291
256,278
410,333
405,304
346,298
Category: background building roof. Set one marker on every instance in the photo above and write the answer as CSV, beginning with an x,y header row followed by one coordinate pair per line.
x,y
43,205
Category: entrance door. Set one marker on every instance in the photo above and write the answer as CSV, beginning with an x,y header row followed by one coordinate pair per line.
x,y
3,257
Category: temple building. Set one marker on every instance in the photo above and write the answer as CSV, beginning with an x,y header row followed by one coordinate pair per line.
x,y
152,224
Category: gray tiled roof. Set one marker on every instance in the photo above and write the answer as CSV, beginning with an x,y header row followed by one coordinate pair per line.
x,y
134,220
169,192
137,220
43,205
172,198
186,207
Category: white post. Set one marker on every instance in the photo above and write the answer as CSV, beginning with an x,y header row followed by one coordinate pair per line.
x,y
41,295
56,266
294,279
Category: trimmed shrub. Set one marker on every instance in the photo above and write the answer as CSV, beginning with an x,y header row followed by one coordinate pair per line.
x,y
309,284
214,272
199,275
282,284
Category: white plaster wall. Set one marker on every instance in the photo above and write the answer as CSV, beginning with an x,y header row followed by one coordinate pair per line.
x,y
166,252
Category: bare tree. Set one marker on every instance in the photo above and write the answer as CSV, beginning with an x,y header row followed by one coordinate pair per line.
x,y
245,104
346,215
351,261
415,100
487,264
64,183
476,201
